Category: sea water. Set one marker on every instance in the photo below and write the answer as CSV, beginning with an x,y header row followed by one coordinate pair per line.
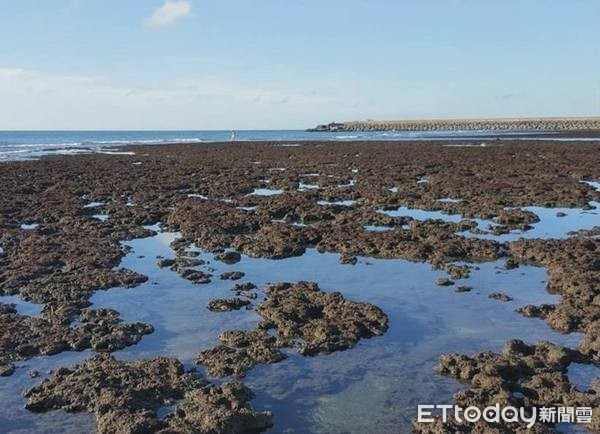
x,y
22,145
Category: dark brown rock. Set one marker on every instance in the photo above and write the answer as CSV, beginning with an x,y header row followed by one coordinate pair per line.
x,y
536,372
232,275
229,257
227,304
125,396
463,288
444,281
239,352
500,296
300,316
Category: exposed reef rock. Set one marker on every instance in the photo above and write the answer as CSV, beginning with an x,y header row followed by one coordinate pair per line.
x,y
318,322
227,304
232,275
239,352
125,397
22,337
229,257
573,272
203,193
520,376
301,316
500,297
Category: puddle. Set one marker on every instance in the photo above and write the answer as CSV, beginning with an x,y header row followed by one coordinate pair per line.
x,y
351,183
166,410
101,217
393,189
375,228
550,225
422,181
449,200
337,202
593,184
93,205
23,307
303,187
582,375
554,222
247,208
14,418
29,227
265,192
199,196
422,215
155,227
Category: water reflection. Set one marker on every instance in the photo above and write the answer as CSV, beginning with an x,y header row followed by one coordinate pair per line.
x,y
376,384
372,387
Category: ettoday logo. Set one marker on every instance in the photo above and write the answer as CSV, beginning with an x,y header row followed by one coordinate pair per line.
x,y
507,414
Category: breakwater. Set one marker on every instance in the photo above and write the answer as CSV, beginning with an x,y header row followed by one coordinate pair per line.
x,y
509,124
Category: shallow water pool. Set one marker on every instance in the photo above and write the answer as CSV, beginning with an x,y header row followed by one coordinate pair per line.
x,y
375,386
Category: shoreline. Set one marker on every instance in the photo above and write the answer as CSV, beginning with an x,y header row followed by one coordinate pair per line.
x,y
21,149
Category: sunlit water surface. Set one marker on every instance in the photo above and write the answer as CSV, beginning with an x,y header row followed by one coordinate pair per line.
x,y
375,386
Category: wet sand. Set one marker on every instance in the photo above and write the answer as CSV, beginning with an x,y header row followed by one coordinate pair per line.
x,y
378,222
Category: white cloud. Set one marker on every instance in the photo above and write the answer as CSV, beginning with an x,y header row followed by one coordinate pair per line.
x,y
168,13
33,100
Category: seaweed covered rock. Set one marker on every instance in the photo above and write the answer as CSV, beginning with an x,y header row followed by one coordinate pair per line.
x,y
227,304
232,275
125,397
520,376
239,351
314,321
573,272
299,316
23,337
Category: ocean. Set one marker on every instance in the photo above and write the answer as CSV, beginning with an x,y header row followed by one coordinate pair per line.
x,y
24,145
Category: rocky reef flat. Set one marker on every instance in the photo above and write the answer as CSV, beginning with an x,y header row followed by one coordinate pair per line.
x,y
68,227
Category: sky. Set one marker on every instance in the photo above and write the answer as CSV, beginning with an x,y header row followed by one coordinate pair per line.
x,y
286,64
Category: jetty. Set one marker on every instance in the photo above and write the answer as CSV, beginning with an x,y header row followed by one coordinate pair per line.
x,y
501,124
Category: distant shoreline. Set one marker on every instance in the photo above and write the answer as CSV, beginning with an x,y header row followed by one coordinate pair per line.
x,y
533,125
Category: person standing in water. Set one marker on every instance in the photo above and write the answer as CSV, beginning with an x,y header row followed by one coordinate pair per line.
x,y
233,136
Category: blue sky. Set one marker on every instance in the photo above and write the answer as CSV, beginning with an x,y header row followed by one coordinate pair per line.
x,y
199,64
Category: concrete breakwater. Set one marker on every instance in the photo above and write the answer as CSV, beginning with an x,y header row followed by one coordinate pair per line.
x,y
512,124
